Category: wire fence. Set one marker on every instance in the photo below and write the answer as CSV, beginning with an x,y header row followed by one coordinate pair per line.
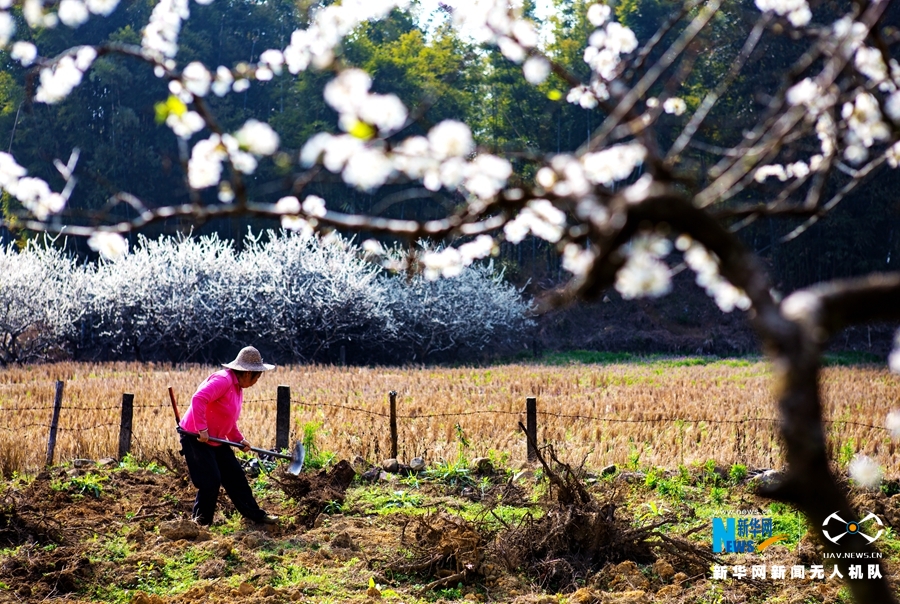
x,y
377,431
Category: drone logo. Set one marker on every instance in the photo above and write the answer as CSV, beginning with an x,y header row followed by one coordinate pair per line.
x,y
851,528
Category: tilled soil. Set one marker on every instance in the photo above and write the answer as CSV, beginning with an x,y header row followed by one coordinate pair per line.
x,y
115,534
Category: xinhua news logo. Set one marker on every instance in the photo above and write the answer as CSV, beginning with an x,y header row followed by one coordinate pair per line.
x,y
753,535
836,528
743,535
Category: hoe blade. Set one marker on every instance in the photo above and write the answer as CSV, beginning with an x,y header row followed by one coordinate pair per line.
x,y
298,455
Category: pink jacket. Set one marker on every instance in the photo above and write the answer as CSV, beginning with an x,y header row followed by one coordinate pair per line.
x,y
216,406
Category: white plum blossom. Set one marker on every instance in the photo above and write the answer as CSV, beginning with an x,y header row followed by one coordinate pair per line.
x,y
264,74
796,11
892,107
798,169
525,33
23,52
706,266
196,79
487,175
33,11
571,177
485,20
826,132
58,80
110,246
224,79
10,170
893,358
160,37
185,124
385,111
892,423
536,70
576,259
333,151
37,197
583,96
273,59
314,206
546,177
540,217
349,95
344,91
373,247
102,7
866,472
412,157
870,63
598,14
450,139
240,85
364,167
804,92
644,273
620,39
288,205
7,28
605,47
289,208
257,137
863,117
602,61
445,263
367,169
481,247
205,165
612,164
893,155
674,105
316,45
73,13
511,49
450,261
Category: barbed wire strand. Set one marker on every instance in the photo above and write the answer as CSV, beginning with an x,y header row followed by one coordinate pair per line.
x,y
416,416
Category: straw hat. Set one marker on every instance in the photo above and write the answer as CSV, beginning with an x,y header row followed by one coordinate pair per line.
x,y
248,359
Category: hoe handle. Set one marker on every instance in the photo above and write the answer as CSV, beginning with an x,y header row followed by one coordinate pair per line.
x,y
174,406
238,445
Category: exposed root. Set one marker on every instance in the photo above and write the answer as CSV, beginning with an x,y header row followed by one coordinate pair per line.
x,y
443,546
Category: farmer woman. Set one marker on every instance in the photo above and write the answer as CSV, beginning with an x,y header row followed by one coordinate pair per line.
x,y
214,411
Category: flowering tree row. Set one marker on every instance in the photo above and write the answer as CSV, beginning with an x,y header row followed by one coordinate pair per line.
x,y
728,114
296,297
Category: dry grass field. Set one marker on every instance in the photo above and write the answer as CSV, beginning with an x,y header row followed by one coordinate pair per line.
x,y
661,412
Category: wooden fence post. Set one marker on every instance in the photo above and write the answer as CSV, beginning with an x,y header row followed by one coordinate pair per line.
x,y
283,418
125,424
531,427
54,421
393,399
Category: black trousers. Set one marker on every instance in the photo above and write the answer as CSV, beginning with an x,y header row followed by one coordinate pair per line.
x,y
212,467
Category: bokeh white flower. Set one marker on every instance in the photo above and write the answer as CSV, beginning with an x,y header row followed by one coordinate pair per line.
x,y
23,52
865,471
257,137
892,423
110,246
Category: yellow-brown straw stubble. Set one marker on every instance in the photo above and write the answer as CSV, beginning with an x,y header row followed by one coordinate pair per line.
x,y
657,413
